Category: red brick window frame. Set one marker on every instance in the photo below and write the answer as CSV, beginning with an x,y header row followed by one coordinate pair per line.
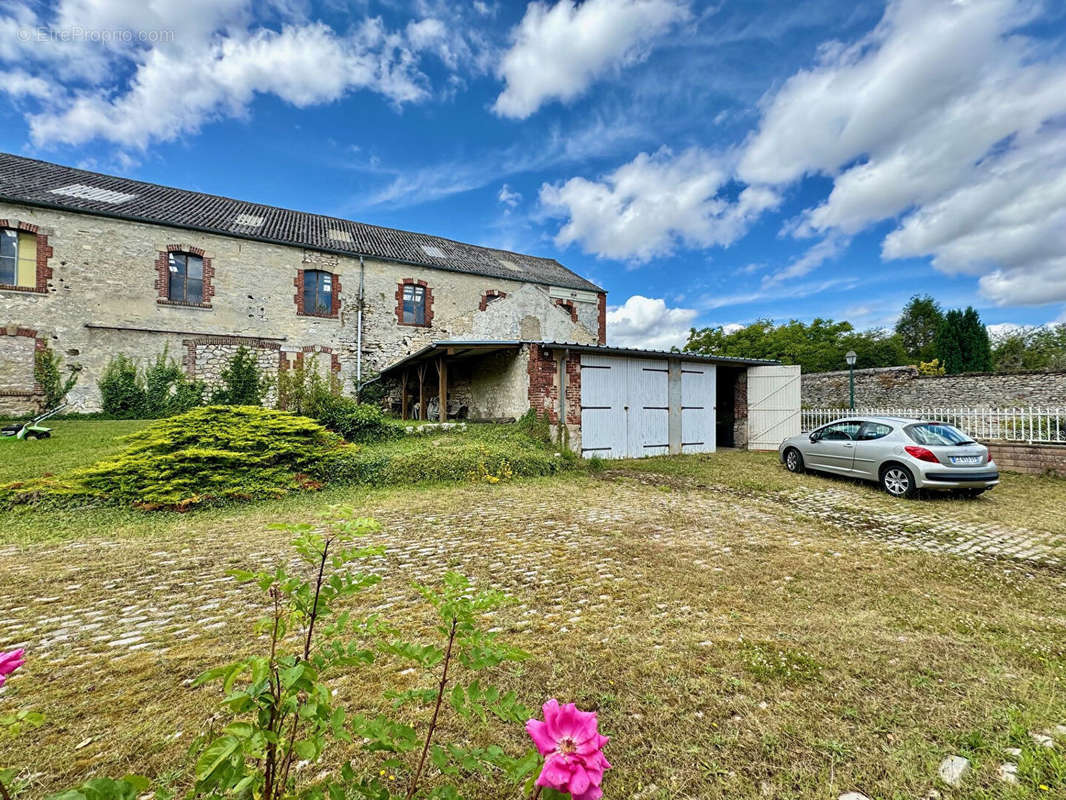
x,y
162,281
488,296
44,252
40,343
428,300
569,307
335,293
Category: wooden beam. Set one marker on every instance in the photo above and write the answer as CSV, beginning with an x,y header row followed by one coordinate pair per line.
x,y
442,375
422,390
403,395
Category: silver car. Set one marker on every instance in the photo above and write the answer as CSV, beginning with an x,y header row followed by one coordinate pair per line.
x,y
903,455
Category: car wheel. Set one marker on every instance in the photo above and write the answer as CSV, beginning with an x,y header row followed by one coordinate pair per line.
x,y
898,481
793,460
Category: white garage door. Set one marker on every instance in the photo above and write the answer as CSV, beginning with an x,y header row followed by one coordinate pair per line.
x,y
625,407
773,405
697,408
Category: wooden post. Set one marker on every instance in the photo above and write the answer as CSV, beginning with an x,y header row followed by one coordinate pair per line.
x,y
403,395
422,390
442,374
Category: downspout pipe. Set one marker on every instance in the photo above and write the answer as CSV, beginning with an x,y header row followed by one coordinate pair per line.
x,y
359,333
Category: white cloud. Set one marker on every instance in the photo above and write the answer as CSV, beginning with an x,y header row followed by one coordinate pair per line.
x,y
509,197
647,207
648,322
200,60
948,118
817,254
558,52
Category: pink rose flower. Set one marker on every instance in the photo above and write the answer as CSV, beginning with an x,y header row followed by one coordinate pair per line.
x,y
9,662
572,747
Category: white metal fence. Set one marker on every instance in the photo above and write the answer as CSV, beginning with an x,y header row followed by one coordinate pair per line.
x,y
1031,424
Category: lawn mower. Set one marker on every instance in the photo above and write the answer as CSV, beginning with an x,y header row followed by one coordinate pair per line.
x,y
30,430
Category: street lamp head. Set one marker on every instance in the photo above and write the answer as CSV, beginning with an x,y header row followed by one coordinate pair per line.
x,y
850,357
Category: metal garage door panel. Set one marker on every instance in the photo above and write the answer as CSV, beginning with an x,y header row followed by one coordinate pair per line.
x,y
698,392
603,415
649,407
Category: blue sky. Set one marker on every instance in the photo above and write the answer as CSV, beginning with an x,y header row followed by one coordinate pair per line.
x,y
705,163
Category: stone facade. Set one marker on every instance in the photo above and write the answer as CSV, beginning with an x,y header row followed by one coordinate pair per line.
x,y
102,295
904,387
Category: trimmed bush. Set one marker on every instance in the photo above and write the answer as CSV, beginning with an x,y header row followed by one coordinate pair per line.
x,y
207,455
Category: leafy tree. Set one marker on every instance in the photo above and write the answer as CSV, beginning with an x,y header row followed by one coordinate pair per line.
x,y
818,346
1041,348
242,382
918,325
47,373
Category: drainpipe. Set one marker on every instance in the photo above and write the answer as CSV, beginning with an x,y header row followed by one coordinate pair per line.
x,y
359,333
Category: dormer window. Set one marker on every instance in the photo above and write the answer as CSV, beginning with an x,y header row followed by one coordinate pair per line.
x,y
186,278
18,258
318,293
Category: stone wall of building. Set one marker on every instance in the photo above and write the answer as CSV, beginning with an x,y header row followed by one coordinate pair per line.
x,y
904,387
105,294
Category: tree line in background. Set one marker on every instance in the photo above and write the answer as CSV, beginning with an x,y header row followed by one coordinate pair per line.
x,y
935,341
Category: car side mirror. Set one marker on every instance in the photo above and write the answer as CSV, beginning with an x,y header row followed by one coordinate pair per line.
x,y
813,437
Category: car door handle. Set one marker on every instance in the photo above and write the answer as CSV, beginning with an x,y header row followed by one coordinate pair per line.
x,y
848,444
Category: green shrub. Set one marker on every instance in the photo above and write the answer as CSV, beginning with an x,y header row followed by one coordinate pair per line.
x,y
352,420
243,384
167,390
205,455
122,389
47,374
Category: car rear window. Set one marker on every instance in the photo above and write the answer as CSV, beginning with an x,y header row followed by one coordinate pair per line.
x,y
937,433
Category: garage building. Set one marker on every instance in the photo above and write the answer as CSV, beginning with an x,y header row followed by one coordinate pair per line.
x,y
607,402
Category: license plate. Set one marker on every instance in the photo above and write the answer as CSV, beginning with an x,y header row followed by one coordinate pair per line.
x,y
966,459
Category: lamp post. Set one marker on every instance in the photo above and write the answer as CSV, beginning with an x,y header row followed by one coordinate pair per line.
x,y
850,357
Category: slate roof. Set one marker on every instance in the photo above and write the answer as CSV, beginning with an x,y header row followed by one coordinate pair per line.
x,y
32,182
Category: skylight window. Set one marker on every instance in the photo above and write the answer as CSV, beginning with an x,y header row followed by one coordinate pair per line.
x,y
508,264
83,192
432,251
249,220
338,235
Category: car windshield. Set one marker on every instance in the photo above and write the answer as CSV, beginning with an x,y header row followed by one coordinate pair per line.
x,y
937,433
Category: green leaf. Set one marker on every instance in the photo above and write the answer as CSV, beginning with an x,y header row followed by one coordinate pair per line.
x,y
305,749
218,753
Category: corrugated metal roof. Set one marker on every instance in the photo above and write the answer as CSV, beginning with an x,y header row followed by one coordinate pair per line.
x,y
40,183
469,346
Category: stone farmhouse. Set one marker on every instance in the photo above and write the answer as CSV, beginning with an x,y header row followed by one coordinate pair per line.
x,y
94,265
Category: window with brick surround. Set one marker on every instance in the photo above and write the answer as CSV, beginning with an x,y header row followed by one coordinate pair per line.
x,y
18,258
414,303
318,292
184,277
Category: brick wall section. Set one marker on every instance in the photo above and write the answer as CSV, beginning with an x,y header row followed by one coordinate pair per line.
x,y
44,252
335,296
399,302
904,387
489,295
602,318
569,307
544,385
162,280
1033,459
312,350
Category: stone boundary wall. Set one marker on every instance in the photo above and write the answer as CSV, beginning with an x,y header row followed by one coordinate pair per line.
x,y
904,387
1033,459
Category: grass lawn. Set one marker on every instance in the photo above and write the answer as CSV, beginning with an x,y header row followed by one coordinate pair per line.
x,y
743,632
